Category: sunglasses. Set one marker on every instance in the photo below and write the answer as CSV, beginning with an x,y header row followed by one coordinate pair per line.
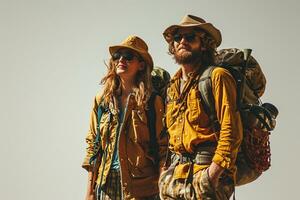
x,y
189,37
127,55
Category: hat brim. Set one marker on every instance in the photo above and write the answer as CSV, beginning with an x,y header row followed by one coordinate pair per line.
x,y
145,55
207,27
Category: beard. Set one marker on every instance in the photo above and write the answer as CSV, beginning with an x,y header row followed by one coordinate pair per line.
x,y
188,57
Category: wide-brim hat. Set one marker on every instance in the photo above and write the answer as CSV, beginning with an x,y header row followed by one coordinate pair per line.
x,y
194,21
136,44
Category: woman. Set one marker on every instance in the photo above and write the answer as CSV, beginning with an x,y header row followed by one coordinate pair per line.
x,y
128,169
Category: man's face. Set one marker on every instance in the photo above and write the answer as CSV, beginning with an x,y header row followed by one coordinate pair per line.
x,y
187,46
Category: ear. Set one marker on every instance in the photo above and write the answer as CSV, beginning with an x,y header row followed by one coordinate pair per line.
x,y
142,66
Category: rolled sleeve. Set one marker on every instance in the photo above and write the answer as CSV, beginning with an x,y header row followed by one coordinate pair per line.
x,y
91,135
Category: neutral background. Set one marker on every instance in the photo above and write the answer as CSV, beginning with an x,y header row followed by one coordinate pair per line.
x,y
52,57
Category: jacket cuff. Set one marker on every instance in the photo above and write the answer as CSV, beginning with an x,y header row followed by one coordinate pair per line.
x,y
86,165
222,161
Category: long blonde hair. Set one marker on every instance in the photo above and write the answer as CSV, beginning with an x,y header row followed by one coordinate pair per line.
x,y
112,85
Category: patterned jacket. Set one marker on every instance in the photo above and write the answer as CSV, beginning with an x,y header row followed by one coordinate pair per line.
x,y
139,176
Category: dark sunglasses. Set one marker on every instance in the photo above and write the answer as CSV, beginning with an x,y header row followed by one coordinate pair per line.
x,y
127,55
189,37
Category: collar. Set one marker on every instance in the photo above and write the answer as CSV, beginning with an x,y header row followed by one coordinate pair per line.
x,y
191,75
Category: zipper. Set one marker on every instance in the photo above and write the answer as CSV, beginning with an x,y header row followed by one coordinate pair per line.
x,y
118,139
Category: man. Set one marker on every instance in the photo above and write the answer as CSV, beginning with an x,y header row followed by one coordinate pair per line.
x,y
203,151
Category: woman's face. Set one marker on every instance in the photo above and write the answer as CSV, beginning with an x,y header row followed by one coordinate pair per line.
x,y
127,63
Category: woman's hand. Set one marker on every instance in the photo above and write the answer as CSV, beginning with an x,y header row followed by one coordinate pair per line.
x,y
90,194
90,197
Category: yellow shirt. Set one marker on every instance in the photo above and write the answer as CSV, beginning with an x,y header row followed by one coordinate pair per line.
x,y
189,126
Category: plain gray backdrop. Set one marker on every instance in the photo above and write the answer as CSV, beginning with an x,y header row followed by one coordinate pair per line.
x,y
52,57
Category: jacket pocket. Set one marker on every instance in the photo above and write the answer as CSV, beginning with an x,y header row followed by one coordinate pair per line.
x,y
140,131
197,115
193,106
108,129
170,115
143,168
139,162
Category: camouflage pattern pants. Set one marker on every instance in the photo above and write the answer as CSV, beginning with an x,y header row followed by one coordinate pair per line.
x,y
199,187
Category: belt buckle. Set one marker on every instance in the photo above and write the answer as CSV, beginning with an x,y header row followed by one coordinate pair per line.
x,y
203,158
184,158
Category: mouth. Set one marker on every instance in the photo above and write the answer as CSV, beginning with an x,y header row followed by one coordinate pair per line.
x,y
122,66
183,51
186,48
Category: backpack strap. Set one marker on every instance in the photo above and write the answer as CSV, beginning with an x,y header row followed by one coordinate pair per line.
x,y
151,119
206,95
97,143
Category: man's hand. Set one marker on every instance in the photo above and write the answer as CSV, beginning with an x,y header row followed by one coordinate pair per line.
x,y
214,173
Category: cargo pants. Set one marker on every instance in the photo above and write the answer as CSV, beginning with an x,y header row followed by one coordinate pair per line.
x,y
198,186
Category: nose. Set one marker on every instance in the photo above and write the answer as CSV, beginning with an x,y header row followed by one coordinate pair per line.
x,y
183,40
122,59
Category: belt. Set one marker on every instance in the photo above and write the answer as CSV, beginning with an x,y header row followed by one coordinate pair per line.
x,y
203,154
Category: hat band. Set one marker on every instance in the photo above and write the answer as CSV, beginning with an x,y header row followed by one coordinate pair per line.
x,y
190,23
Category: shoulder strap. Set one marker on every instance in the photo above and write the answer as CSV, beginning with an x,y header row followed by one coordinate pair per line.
x,y
151,119
206,95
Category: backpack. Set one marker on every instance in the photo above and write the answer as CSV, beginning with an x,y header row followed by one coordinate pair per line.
x,y
160,81
258,119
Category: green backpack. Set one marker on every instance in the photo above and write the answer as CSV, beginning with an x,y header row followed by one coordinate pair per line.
x,y
160,81
258,119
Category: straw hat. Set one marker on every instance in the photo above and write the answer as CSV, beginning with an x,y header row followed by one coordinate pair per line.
x,y
194,21
136,44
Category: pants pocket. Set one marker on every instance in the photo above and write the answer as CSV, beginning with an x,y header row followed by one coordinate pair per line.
x,y
203,188
171,188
